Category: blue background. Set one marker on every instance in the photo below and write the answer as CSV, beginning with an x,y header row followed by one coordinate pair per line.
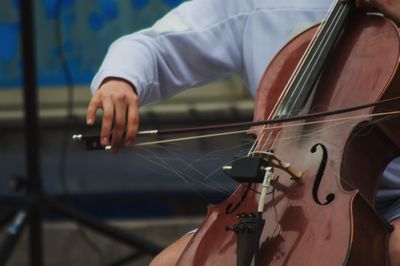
x,y
88,28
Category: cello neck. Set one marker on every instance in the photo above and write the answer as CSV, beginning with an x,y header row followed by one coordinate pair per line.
x,y
303,80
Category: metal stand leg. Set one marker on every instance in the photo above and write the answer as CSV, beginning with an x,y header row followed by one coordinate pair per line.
x,y
35,201
13,232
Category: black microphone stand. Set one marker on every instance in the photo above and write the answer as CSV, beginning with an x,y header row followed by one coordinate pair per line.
x,y
27,210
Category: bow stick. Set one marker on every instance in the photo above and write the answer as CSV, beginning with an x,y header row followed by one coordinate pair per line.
x,y
93,141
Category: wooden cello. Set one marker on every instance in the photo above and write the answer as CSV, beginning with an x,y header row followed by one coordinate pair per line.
x,y
322,215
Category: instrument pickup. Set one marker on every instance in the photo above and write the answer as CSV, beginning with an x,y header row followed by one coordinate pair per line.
x,y
251,169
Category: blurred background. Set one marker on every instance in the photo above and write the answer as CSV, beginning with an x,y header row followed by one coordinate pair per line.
x,y
158,192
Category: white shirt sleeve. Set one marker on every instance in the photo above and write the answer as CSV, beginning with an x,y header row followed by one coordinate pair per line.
x,y
198,42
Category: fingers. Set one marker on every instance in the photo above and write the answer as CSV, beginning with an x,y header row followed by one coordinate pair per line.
x,y
120,106
92,108
132,123
390,8
365,4
106,125
119,121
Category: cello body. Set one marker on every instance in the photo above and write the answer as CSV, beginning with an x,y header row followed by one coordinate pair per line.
x,y
362,68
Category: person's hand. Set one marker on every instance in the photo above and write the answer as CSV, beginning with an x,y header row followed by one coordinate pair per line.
x,y
390,8
120,106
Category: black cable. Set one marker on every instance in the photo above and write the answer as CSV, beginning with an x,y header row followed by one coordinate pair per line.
x,y
70,97
69,119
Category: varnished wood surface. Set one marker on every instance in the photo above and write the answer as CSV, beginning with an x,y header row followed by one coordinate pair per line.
x,y
298,231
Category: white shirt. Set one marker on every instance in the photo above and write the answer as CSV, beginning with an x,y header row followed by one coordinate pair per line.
x,y
204,40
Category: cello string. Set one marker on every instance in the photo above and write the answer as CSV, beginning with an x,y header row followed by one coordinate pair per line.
x,y
338,17
320,47
352,136
273,112
169,166
335,123
320,44
183,176
344,169
208,155
307,52
276,138
373,122
332,128
306,55
170,170
285,141
307,73
272,127
350,118
172,158
313,40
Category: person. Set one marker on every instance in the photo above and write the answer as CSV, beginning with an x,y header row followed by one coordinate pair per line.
x,y
198,42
